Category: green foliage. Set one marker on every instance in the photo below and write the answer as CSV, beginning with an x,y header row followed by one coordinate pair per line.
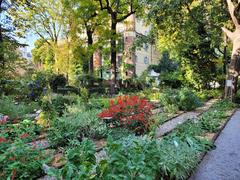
x,y
188,100
212,120
190,31
80,162
150,93
43,54
76,124
16,131
169,100
22,161
165,64
16,110
57,104
84,94
208,94
94,103
11,87
12,59
39,84
209,121
57,81
183,99
131,158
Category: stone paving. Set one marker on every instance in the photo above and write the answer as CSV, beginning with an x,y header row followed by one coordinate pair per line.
x,y
173,123
223,163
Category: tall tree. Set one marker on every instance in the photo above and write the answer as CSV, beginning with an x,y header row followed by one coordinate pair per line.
x,y
234,66
40,17
119,10
88,20
190,30
5,28
8,44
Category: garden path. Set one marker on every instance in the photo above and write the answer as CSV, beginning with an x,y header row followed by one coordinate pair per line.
x,y
223,163
173,123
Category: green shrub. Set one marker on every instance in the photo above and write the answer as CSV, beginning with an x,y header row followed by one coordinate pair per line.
x,y
8,106
10,87
38,85
208,94
97,103
21,161
77,125
57,81
183,99
57,104
188,100
84,94
80,162
169,100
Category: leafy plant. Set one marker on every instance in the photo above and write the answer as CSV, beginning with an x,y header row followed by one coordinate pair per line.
x,y
14,109
77,125
21,161
57,103
183,99
169,100
188,100
80,162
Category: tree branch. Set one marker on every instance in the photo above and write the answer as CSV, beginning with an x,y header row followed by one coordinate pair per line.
x,y
228,33
126,16
231,9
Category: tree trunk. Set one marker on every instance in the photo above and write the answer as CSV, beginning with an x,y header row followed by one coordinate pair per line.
x,y
232,76
234,66
113,57
90,43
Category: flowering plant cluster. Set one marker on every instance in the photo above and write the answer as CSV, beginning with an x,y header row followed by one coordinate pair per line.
x,y
20,159
131,112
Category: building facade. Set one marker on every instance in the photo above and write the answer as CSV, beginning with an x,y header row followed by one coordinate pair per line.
x,y
137,60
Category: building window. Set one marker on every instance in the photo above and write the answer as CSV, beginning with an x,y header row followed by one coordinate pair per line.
x,y
146,60
136,58
145,46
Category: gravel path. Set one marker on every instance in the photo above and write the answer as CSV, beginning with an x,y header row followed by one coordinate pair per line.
x,y
172,124
223,163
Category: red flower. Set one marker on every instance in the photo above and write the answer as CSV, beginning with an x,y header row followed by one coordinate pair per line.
x,y
3,139
24,135
130,111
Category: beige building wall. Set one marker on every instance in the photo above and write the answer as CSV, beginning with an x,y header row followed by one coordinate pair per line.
x,y
143,57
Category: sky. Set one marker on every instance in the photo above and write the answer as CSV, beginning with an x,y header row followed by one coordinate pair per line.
x,y
29,40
